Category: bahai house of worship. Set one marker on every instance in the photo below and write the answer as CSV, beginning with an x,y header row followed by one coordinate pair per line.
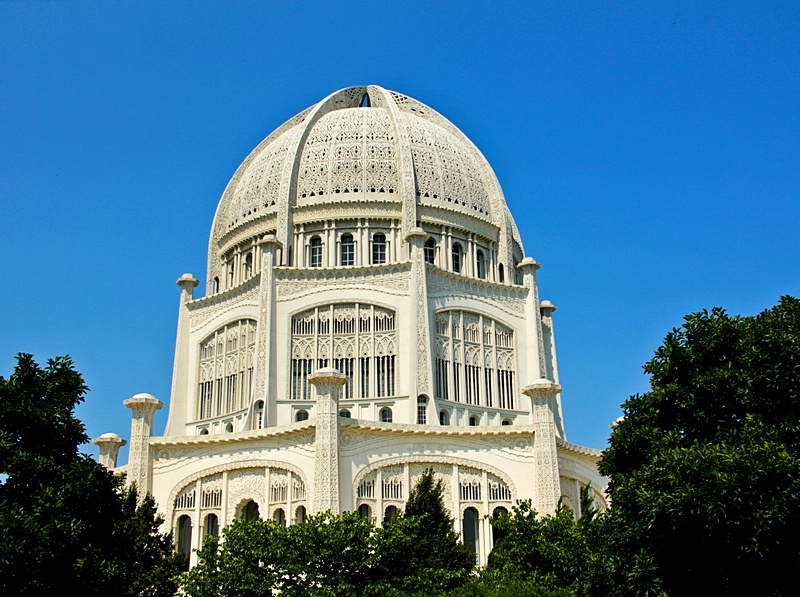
x,y
369,312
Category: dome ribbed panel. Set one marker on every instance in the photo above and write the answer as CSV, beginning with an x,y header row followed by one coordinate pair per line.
x,y
446,173
348,151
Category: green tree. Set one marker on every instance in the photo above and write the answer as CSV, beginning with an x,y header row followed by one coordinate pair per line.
x,y
421,550
705,467
326,555
546,555
65,520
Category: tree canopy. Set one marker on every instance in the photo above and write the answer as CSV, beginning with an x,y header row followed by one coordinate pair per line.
x,y
67,521
704,468
417,553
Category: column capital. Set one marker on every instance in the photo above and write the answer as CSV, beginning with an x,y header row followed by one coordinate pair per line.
x,y
542,387
528,262
145,402
270,241
109,444
547,308
416,233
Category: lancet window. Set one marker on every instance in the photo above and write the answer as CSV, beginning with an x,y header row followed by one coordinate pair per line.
x,y
226,369
474,360
357,339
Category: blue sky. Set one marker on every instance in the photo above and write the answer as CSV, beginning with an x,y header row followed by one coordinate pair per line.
x,y
649,152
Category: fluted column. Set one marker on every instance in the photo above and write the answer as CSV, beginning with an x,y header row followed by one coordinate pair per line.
x,y
109,444
327,382
548,487
143,407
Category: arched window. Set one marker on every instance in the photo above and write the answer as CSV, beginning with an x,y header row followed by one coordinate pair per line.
x,y
344,413
470,525
430,251
248,266
501,273
185,536
259,414
228,427
473,421
280,517
517,273
457,258
444,417
300,515
230,273
390,513
215,285
364,511
386,415
506,421
379,248
302,415
250,511
204,431
474,360
211,526
326,336
226,389
480,261
316,252
422,410
497,534
347,251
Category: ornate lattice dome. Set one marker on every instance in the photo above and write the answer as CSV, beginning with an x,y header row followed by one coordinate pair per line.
x,y
362,146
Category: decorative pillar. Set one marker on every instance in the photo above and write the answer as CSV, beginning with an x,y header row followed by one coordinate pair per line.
x,y
143,407
109,444
533,320
327,382
181,403
548,487
551,360
264,336
421,373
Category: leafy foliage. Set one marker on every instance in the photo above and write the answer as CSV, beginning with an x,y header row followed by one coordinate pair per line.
x,y
66,520
344,554
705,467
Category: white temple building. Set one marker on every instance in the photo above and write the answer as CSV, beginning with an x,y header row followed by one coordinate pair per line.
x,y
369,312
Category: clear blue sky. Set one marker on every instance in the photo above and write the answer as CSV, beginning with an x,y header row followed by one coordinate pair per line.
x,y
650,152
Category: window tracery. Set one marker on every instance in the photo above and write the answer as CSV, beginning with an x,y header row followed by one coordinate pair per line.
x,y
227,359
358,340
474,360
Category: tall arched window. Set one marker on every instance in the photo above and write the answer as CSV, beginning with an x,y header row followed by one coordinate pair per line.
x,y
185,535
300,514
457,258
480,262
497,534
473,360
247,270
347,250
357,339
444,417
390,513
227,359
280,517
430,251
501,273
215,285
379,249
386,415
470,525
316,252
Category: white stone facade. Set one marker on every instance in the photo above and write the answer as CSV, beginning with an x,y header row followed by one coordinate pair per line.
x,y
369,312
